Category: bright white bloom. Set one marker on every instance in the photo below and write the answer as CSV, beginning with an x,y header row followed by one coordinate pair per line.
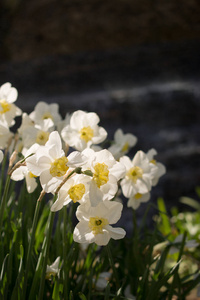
x,y
5,135
45,111
23,172
122,143
139,174
53,269
8,110
161,168
137,199
83,130
106,174
102,281
1,156
75,189
51,164
94,223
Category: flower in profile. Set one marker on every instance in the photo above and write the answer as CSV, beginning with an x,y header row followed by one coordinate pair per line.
x,y
45,111
23,172
106,173
83,130
8,110
95,223
122,143
137,199
139,174
161,168
75,189
53,269
5,135
50,163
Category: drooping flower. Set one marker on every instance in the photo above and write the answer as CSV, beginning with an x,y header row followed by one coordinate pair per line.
x,y
53,269
75,189
95,223
139,174
137,199
122,143
45,111
8,110
161,168
50,163
106,174
83,130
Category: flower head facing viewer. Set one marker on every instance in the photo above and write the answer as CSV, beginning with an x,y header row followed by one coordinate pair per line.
x,y
50,163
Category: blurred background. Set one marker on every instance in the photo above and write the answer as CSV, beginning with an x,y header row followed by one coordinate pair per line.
x,y
134,62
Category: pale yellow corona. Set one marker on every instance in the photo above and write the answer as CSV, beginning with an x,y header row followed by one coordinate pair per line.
x,y
101,174
42,137
47,115
138,196
5,106
97,224
153,161
76,192
59,167
125,147
31,175
135,173
86,133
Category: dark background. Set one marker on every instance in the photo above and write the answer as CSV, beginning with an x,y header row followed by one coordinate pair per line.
x,y
136,63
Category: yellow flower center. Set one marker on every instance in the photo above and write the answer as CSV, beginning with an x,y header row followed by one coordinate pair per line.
x,y
135,173
138,196
47,115
86,133
59,167
101,174
76,192
125,147
153,161
5,106
97,224
42,137
31,175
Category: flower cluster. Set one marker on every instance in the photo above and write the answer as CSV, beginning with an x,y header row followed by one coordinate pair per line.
x,y
66,158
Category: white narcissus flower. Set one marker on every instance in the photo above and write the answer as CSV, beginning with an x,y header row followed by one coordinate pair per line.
x,y
139,174
5,135
137,199
45,111
8,110
102,281
161,168
53,269
1,156
75,189
83,130
23,172
106,174
95,223
122,143
50,163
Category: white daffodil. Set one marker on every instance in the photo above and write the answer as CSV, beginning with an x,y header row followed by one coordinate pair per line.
x,y
1,156
50,163
95,223
53,269
102,281
106,174
45,111
83,130
122,143
5,134
161,168
139,174
8,110
23,172
75,189
137,199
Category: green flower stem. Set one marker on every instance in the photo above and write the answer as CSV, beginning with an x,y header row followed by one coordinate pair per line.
x,y
46,254
31,244
3,202
113,266
65,245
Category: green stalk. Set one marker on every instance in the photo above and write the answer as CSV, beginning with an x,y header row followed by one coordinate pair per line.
x,y
3,203
113,266
31,244
46,254
65,244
